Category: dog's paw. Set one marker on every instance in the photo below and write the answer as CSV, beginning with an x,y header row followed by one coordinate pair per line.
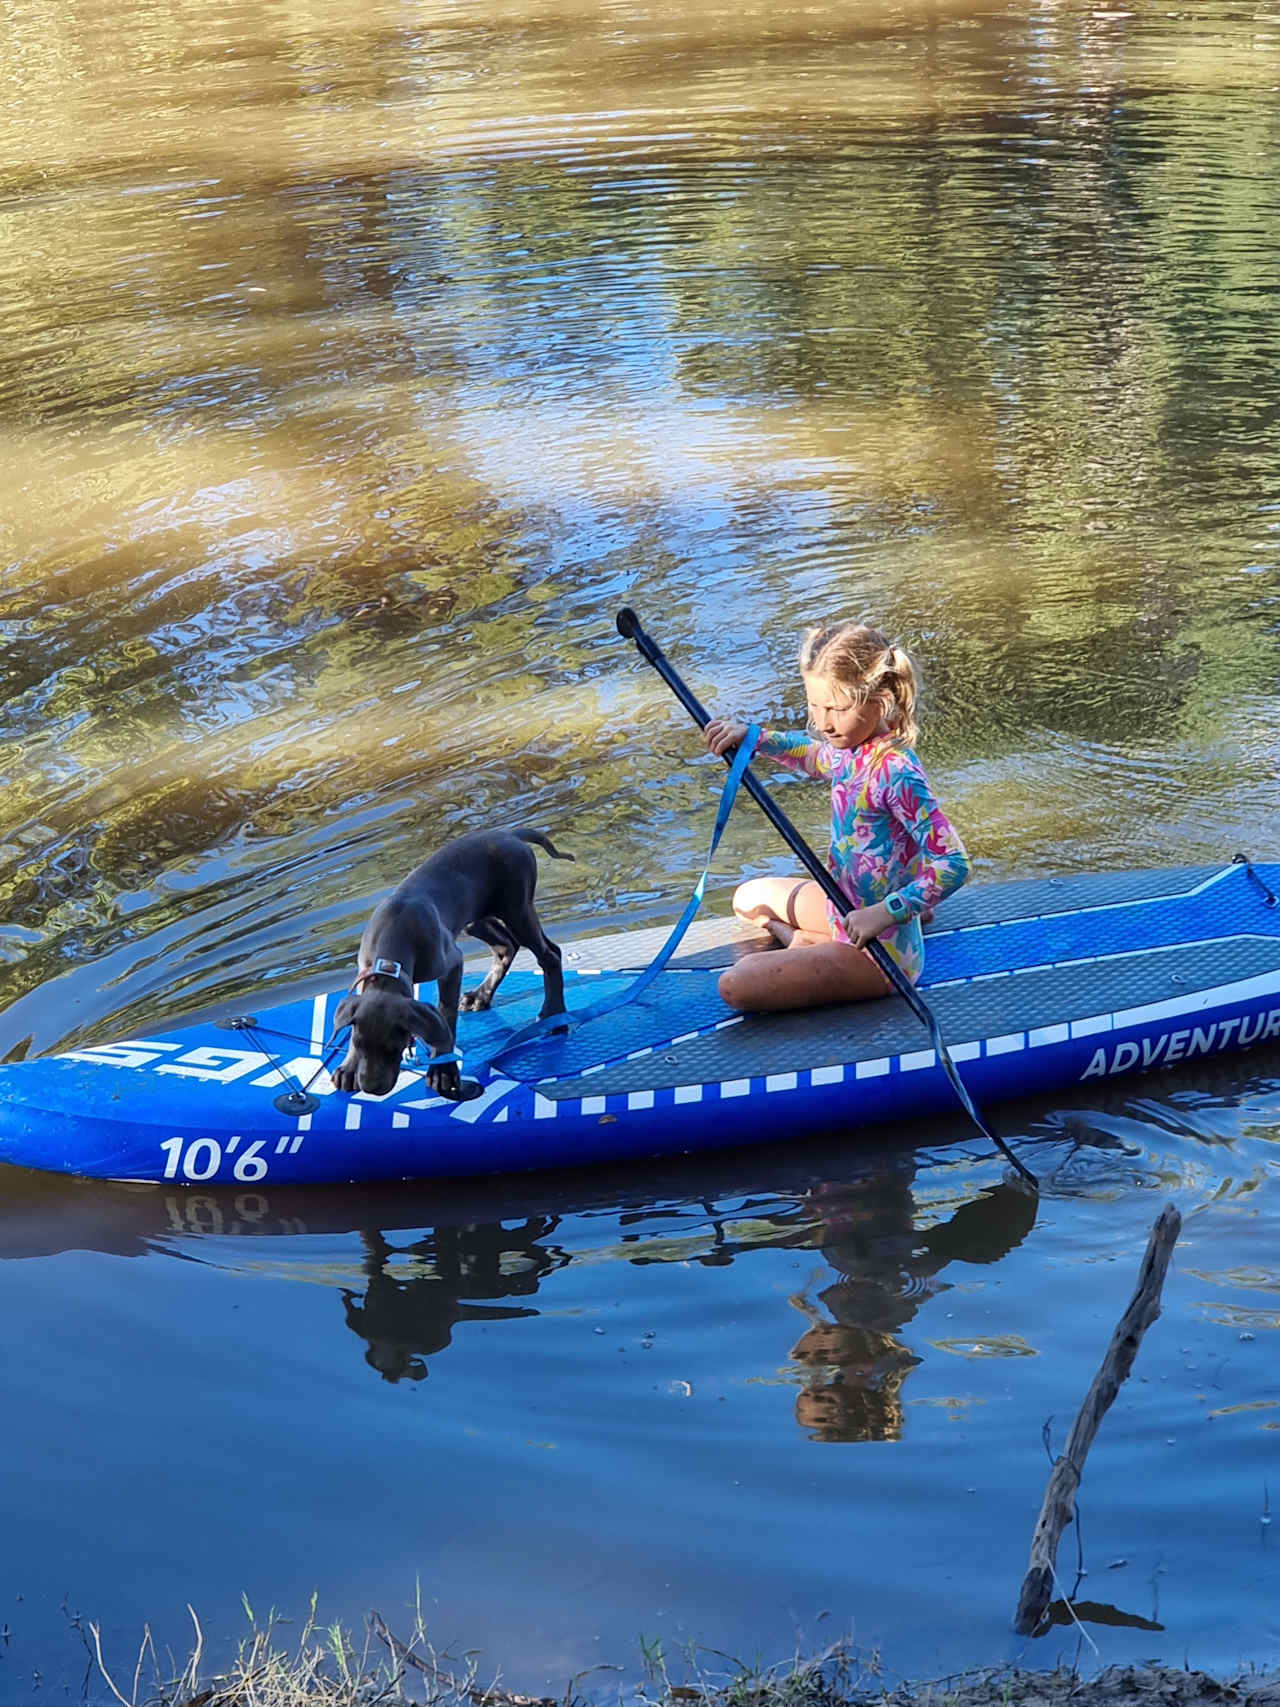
x,y
475,1002
344,1078
446,1081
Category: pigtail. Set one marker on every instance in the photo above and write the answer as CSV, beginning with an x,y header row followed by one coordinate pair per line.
x,y
905,690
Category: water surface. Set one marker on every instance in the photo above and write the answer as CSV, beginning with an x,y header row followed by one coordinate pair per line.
x,y
356,363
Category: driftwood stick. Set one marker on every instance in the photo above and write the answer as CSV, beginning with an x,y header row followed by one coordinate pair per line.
x,y
1060,1495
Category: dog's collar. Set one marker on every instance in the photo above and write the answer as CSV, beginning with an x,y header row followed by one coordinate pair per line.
x,y
382,969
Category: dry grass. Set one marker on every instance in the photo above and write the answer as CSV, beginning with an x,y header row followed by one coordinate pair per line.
x,y
323,1666
316,1666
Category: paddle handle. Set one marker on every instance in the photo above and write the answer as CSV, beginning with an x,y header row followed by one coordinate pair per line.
x,y
630,628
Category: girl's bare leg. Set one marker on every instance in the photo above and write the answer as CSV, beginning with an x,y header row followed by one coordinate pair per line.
x,y
784,905
797,903
807,975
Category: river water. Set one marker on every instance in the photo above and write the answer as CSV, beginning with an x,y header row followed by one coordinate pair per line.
x,y
356,363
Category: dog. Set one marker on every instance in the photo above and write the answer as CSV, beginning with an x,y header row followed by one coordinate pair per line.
x,y
481,883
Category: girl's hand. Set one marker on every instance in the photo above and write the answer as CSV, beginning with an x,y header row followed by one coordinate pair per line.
x,y
865,924
722,734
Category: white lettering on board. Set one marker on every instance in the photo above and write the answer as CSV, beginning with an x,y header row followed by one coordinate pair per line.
x,y
306,1070
138,1052
204,1158
1170,1046
219,1065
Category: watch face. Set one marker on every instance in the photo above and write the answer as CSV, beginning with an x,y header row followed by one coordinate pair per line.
x,y
896,905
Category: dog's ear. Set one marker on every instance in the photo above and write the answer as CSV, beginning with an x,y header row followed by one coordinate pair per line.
x,y
426,1023
345,1011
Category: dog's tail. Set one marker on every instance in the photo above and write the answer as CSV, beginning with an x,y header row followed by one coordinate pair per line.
x,y
542,841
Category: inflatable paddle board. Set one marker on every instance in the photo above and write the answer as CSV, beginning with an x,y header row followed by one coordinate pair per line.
x,y
1037,985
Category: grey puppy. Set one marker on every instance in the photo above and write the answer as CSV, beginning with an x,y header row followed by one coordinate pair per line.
x,y
482,883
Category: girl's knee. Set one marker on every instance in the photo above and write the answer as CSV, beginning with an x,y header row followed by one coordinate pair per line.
x,y
752,898
729,986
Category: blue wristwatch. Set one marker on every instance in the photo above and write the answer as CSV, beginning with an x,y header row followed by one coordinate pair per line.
x,y
897,907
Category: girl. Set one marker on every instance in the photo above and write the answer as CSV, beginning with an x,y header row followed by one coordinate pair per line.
x,y
893,852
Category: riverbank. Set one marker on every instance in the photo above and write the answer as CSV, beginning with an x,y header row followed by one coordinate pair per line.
x,y
327,1667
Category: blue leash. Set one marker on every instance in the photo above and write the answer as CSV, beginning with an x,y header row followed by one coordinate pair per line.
x,y
562,1023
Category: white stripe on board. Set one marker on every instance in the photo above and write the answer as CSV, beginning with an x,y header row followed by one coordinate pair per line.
x,y
1097,907
1195,1001
916,1058
1094,960
1091,1026
1039,1035
1006,1045
474,1107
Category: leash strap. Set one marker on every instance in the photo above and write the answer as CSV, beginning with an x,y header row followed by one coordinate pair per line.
x,y
420,1058
567,1022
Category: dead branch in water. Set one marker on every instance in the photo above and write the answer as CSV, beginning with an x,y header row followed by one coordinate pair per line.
x,y
1060,1495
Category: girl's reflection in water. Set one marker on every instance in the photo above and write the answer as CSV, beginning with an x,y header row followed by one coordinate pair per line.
x,y
853,1365
849,1361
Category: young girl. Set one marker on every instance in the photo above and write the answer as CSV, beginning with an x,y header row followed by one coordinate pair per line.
x,y
893,852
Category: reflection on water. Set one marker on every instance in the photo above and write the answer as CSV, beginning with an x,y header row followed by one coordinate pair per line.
x,y
527,1378
409,1314
356,363
855,1364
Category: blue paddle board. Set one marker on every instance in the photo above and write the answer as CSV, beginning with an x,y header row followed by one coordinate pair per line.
x,y
1037,985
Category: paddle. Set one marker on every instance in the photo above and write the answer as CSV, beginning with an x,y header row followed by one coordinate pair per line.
x,y
630,629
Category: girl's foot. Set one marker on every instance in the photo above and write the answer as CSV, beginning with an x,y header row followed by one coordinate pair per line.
x,y
780,931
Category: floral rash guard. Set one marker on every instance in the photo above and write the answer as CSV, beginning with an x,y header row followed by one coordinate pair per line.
x,y
887,831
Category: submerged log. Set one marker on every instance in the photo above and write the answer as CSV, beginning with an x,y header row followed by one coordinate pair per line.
x,y
1060,1495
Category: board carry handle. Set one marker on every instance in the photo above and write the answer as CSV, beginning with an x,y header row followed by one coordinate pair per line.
x,y
630,628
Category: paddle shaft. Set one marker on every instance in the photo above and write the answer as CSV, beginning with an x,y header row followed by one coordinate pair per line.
x,y
630,628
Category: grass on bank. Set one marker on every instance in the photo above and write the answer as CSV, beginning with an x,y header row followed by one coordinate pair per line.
x,y
324,1666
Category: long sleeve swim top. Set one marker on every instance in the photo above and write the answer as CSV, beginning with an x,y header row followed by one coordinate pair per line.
x,y
888,832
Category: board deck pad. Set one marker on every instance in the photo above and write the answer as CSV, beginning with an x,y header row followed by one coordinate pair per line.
x,y
988,972
1025,1002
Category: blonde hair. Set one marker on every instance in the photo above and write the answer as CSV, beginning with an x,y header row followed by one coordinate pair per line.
x,y
864,664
